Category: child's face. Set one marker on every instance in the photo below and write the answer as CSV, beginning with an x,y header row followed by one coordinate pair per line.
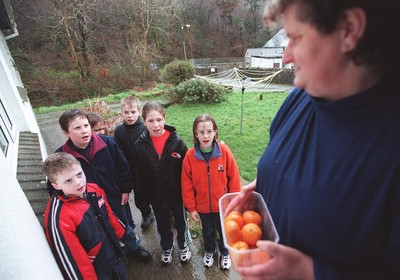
x,y
99,128
79,132
155,123
71,181
130,114
205,133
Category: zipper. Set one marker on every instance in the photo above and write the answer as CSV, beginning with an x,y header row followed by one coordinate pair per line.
x,y
209,185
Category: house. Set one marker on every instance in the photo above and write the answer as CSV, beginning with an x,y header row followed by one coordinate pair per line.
x,y
270,55
25,253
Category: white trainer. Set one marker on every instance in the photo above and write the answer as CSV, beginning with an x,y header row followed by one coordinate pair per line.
x,y
166,256
208,259
185,254
225,262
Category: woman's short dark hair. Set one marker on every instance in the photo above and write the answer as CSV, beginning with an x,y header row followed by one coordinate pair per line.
x,y
375,47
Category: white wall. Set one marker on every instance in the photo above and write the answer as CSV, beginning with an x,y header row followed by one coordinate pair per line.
x,y
24,252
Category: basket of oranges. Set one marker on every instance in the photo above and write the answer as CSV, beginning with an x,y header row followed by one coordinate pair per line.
x,y
243,226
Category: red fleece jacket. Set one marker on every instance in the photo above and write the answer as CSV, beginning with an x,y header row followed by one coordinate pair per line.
x,y
204,183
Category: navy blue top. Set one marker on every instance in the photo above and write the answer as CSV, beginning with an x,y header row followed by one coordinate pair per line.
x,y
330,177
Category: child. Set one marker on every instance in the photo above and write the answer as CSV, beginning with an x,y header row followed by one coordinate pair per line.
x,y
158,154
126,135
209,171
96,123
103,164
80,227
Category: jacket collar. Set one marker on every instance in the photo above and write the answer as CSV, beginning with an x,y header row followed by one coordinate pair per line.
x,y
215,153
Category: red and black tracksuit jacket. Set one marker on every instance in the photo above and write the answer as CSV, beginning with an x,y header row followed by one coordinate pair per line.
x,y
83,234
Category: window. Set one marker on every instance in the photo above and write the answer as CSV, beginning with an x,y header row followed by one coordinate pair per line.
x,y
6,127
3,142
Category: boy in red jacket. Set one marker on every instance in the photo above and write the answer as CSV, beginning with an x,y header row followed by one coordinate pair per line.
x,y
81,228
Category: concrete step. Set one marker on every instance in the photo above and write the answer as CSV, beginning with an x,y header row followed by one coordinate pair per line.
x,y
28,177
29,173
37,163
30,169
33,185
24,153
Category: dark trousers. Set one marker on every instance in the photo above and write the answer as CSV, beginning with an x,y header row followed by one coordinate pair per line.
x,y
164,226
211,224
141,203
130,239
118,272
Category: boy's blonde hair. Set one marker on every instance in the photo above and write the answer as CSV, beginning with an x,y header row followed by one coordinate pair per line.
x,y
131,101
56,163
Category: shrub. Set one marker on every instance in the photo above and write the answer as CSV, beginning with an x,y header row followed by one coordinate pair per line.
x,y
198,91
177,71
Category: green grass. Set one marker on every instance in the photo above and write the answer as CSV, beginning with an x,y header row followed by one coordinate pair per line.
x,y
247,145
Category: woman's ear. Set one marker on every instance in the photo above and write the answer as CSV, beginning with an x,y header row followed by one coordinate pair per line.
x,y
352,26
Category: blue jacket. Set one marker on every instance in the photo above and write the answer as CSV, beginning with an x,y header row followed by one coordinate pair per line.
x,y
330,177
107,167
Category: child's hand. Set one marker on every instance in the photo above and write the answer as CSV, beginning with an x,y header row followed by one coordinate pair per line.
x,y
195,216
125,198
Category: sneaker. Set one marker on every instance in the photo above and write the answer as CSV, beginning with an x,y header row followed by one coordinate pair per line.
x,y
146,221
208,259
142,255
185,254
166,256
225,262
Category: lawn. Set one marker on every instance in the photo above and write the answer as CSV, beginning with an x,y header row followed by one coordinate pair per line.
x,y
247,138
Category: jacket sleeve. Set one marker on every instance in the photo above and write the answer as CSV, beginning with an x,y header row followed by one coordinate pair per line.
x,y
122,166
188,192
117,225
232,172
71,257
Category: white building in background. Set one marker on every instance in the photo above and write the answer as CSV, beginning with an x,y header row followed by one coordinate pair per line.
x,y
270,55
25,253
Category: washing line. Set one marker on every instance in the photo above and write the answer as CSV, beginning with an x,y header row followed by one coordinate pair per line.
x,y
239,79
242,79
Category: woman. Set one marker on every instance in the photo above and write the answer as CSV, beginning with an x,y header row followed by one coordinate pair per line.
x,y
330,174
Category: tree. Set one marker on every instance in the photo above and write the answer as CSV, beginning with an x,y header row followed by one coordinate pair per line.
x,y
73,24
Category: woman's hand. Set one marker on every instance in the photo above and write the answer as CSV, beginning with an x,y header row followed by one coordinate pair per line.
x,y
285,263
242,198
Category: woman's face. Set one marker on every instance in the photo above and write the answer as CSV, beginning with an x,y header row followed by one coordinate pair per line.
x,y
319,62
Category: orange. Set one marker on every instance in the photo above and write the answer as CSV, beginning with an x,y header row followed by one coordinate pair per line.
x,y
236,216
251,233
240,245
251,216
232,231
258,257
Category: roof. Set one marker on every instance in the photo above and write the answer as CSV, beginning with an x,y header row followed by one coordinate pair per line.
x,y
279,40
254,52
